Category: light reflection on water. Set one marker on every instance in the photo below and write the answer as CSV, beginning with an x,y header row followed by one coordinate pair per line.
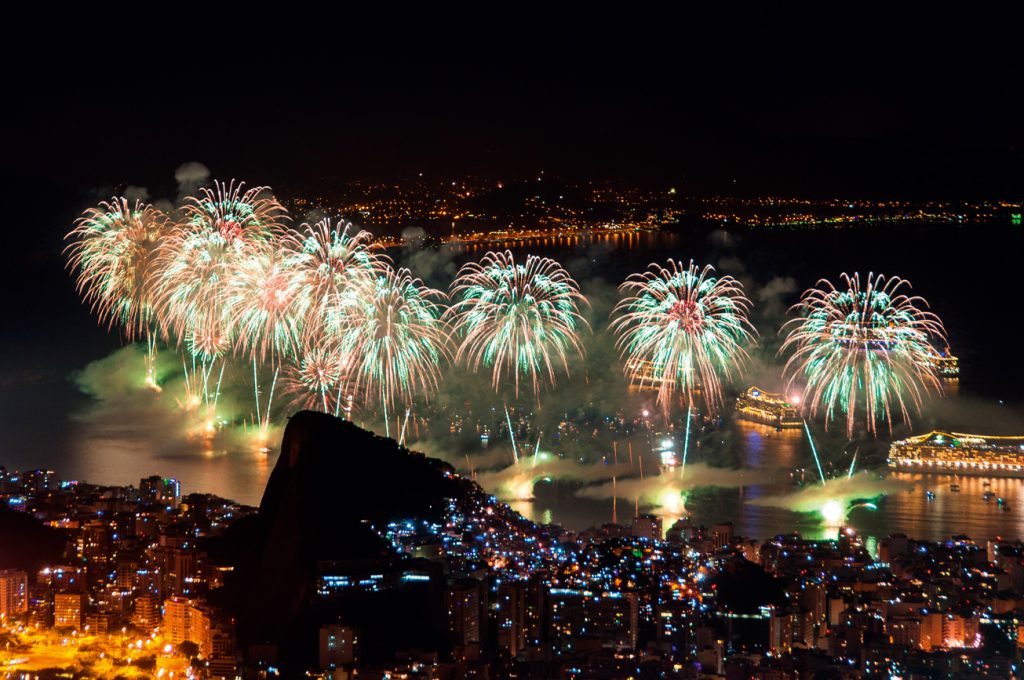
x,y
242,476
113,458
777,453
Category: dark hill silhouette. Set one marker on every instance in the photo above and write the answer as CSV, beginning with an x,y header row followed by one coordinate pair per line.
x,y
332,483
26,543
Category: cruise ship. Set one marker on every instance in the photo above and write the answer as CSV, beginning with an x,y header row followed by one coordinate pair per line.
x,y
947,365
958,453
769,408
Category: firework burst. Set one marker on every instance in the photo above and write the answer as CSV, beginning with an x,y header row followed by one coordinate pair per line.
x,y
220,229
397,341
113,256
863,347
682,330
313,381
521,321
335,267
262,304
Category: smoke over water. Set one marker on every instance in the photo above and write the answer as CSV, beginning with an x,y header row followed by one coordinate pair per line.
x,y
834,498
516,481
162,416
664,493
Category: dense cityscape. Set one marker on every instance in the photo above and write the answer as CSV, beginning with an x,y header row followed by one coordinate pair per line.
x,y
129,588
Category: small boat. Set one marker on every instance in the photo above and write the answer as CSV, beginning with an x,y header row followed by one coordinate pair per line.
x,y
929,495
1000,501
986,484
987,496
955,488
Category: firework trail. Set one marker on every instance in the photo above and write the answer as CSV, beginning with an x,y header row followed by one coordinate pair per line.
x,y
113,256
863,348
397,342
218,232
519,320
682,330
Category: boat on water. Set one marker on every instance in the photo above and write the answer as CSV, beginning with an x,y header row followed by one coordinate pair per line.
x,y
960,453
955,488
769,408
946,365
930,495
987,496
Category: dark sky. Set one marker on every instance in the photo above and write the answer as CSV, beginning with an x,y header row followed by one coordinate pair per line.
x,y
768,100
879,104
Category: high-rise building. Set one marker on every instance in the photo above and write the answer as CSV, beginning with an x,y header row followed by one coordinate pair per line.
x,y
13,592
158,490
676,633
510,612
176,611
147,612
463,600
96,541
780,633
186,620
67,610
722,535
337,647
647,526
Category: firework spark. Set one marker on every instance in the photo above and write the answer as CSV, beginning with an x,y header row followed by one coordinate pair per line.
x,y
396,342
315,379
113,255
522,321
220,229
863,348
682,330
262,303
335,268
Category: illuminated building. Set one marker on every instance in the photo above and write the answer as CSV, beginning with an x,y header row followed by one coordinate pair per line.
x,y
464,602
67,610
188,621
147,614
511,616
587,619
969,454
676,633
160,491
647,526
337,647
767,407
722,535
96,541
13,592
780,633
176,611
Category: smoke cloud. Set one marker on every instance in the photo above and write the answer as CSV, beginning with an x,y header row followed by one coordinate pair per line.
x,y
190,176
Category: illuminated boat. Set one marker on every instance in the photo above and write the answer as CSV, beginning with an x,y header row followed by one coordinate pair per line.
x,y
959,453
946,365
646,376
665,446
767,407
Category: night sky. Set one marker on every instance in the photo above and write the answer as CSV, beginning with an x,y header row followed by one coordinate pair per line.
x,y
768,101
